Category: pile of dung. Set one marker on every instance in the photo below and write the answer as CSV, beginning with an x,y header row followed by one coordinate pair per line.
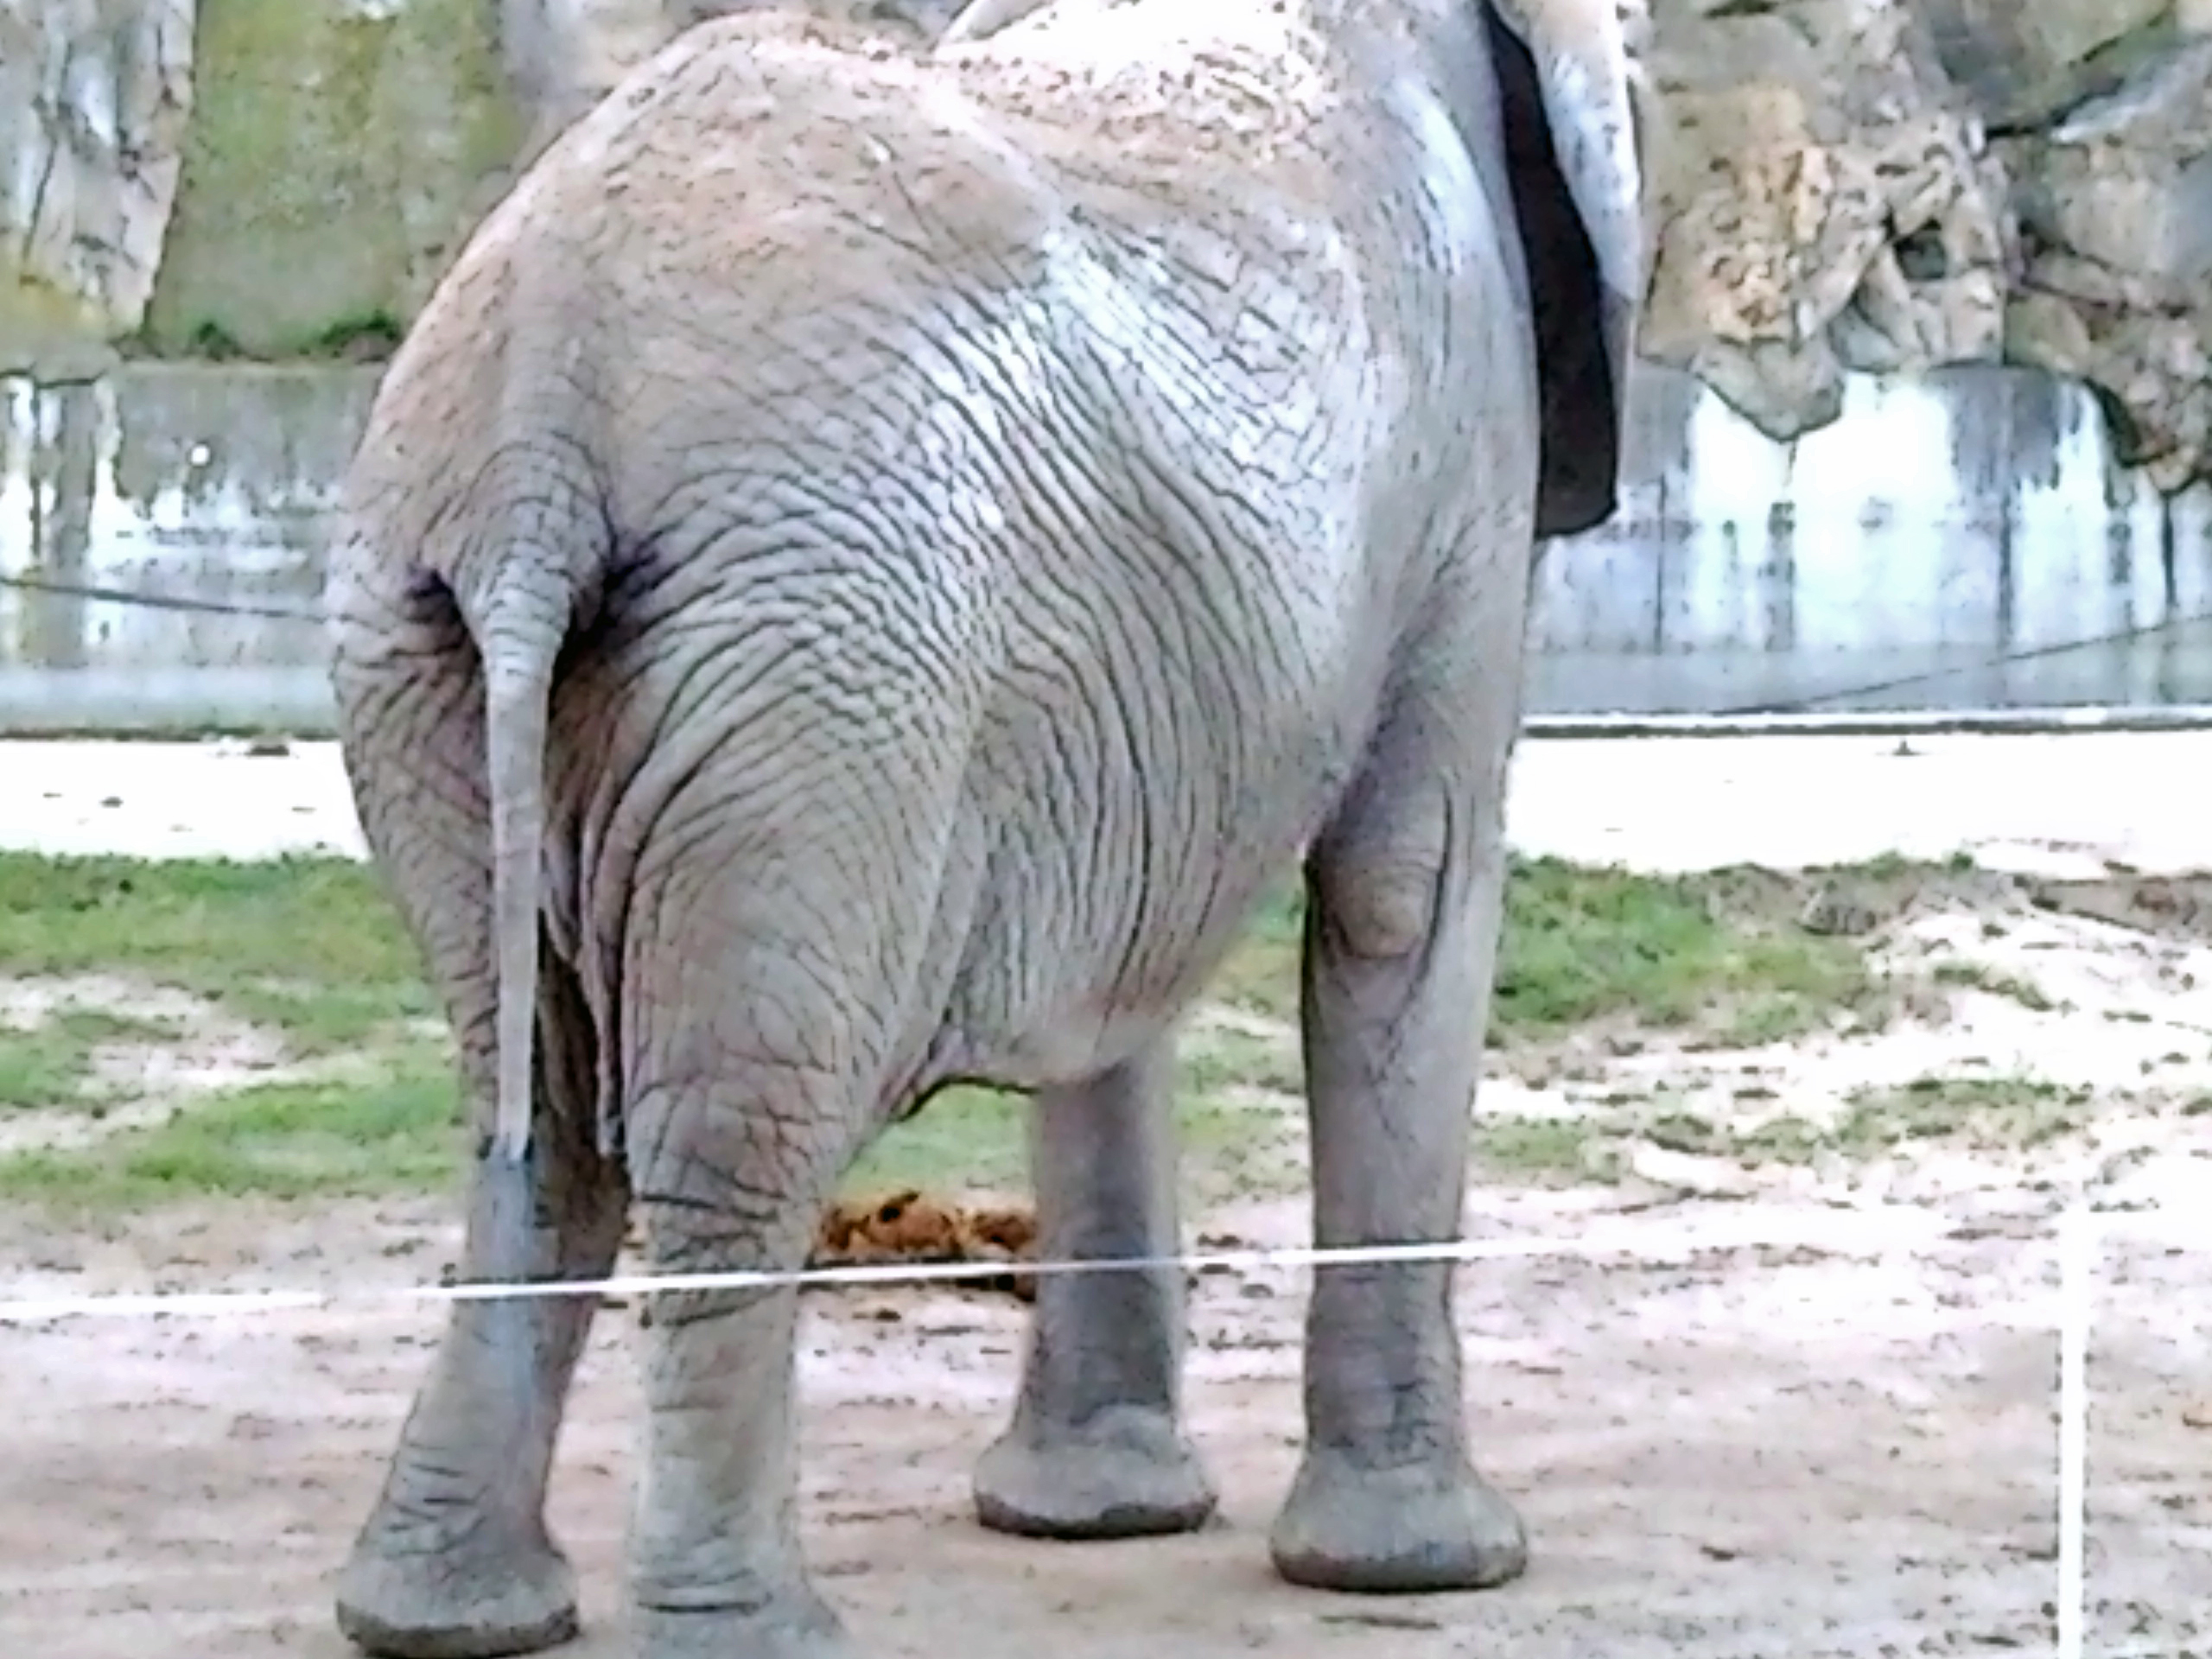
x,y
909,1226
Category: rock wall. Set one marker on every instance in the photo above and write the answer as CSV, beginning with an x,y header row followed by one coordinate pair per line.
x,y
337,152
1891,185
95,107
1871,186
265,178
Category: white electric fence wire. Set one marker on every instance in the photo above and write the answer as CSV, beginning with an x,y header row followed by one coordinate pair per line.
x,y
23,1310
2077,1242
2077,1265
2174,1232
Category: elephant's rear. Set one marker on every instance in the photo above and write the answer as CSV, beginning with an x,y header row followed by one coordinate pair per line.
x,y
882,393
841,364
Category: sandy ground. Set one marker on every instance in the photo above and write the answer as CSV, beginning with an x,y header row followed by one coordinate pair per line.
x,y
2062,804
1838,1440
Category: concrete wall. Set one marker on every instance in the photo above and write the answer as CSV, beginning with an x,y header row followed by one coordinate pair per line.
x,y
1939,546
1887,560
200,488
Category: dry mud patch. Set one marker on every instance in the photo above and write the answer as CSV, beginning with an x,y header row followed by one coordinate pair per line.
x,y
1801,1403
2018,1036
118,1054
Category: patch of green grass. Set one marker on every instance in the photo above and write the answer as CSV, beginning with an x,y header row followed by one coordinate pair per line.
x,y
962,1137
311,948
1988,1113
976,1139
1215,1060
312,945
2015,1113
1997,1113
396,1135
1785,1140
43,1069
1582,945
50,1066
1261,975
309,945
210,340
1534,1146
371,336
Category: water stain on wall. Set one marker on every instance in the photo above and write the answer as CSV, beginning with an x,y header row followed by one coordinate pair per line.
x,y
1950,541
1955,540
161,537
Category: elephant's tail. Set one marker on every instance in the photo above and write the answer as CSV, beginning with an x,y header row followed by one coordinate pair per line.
x,y
519,637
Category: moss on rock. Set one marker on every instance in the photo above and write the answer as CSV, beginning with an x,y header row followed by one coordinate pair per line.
x,y
340,151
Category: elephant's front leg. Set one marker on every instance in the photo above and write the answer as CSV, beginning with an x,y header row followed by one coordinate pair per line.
x,y
455,1560
1405,895
1096,1448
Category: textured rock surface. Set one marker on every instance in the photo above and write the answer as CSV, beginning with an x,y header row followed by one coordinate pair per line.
x,y
1871,185
95,96
1889,185
2115,285
1825,201
338,152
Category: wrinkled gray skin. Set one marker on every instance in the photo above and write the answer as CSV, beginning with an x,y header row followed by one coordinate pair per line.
x,y
556,53
858,579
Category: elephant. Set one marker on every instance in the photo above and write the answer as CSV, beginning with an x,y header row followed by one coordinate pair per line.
x,y
865,571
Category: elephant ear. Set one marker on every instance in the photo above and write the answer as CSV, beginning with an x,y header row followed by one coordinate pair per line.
x,y
1564,86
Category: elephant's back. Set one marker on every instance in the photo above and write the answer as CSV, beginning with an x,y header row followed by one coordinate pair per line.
x,y
1164,91
792,156
794,148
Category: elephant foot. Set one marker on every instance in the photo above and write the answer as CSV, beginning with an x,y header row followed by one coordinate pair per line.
x,y
1127,1473
1351,1527
473,1601
797,1626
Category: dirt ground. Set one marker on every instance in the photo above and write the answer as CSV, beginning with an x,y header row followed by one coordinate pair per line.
x,y
1844,1447
1806,1408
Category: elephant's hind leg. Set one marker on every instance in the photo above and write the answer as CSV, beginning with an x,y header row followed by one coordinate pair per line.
x,y
1405,894
455,1559
1096,1448
455,1562
747,1102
